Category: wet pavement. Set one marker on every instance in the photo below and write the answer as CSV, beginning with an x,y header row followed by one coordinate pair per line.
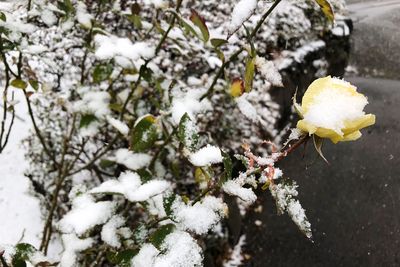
x,y
353,204
376,38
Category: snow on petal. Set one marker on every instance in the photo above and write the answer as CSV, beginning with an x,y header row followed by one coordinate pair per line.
x,y
206,156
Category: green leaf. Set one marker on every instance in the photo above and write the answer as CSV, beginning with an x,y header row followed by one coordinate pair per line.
x,y
167,203
17,83
146,73
216,42
86,119
201,24
187,133
145,175
249,75
326,9
228,167
66,6
104,163
159,235
102,72
121,258
135,20
34,84
22,253
3,16
318,141
144,134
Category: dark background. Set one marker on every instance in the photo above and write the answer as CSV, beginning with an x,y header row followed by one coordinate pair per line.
x,y
353,204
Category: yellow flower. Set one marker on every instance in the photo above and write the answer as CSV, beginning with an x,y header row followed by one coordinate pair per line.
x,y
332,108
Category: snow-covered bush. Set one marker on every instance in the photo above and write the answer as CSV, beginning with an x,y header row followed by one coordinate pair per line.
x,y
141,110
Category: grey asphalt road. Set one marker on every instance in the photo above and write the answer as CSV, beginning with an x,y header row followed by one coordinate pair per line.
x,y
376,38
353,204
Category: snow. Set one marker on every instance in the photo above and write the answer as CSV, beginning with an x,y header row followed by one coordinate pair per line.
x,y
85,214
241,12
145,257
109,47
119,125
236,259
181,249
269,71
133,161
157,3
235,188
206,156
188,103
201,216
297,213
72,245
130,185
214,62
284,196
341,29
109,231
82,16
246,108
48,17
95,103
15,187
331,108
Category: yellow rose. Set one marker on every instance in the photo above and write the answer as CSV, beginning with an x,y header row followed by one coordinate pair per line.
x,y
332,108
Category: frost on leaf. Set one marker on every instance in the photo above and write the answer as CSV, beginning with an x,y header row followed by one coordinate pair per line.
x,y
284,194
201,216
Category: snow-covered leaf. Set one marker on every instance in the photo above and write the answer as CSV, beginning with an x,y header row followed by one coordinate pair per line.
x,y
144,134
187,133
